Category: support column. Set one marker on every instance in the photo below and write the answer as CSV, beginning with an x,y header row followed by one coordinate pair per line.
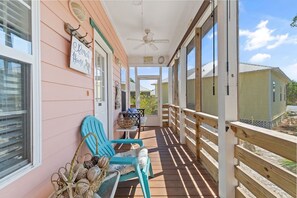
x,y
170,94
182,91
198,96
227,92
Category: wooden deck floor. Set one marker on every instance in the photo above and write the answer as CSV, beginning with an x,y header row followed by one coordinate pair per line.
x,y
177,173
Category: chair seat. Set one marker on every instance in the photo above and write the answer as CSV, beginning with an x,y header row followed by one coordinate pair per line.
x,y
142,155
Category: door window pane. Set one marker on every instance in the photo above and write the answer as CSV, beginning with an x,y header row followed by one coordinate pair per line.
x,y
14,115
99,77
149,96
15,25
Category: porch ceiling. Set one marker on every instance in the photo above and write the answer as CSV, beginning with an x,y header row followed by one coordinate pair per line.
x,y
167,19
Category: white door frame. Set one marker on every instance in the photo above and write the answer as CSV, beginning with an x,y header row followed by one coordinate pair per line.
x,y
109,99
137,91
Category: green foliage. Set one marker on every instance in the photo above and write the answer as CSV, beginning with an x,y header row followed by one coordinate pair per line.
x,y
290,165
292,93
149,103
131,80
294,22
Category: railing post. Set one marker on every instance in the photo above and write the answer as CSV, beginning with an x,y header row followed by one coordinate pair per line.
x,y
227,93
197,137
198,105
175,119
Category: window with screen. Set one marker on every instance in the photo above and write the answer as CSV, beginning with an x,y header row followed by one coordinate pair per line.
x,y
19,85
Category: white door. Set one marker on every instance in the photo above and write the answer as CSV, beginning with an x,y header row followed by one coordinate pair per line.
x,y
148,98
101,99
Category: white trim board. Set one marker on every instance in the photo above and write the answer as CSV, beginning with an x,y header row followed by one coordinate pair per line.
x,y
110,98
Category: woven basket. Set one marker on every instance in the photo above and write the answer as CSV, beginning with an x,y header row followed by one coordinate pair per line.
x,y
126,122
65,181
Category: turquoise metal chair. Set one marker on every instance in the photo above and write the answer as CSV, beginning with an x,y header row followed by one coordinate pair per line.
x,y
92,124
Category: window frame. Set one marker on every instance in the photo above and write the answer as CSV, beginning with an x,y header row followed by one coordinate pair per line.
x,y
35,100
273,91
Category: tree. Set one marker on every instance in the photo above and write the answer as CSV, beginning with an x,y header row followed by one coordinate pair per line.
x,y
292,93
294,22
131,80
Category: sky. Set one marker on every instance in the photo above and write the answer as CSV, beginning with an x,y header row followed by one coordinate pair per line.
x,y
265,36
148,71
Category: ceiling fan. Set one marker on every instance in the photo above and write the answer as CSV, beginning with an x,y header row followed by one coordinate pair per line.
x,y
149,40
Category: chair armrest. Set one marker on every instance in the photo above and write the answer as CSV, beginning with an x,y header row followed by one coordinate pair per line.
x,y
123,160
127,141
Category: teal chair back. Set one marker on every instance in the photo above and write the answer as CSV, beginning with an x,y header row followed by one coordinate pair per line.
x,y
91,124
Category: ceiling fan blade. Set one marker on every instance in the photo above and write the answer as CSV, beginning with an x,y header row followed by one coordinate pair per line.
x,y
160,41
138,46
132,39
153,46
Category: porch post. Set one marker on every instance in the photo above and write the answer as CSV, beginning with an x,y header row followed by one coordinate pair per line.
x,y
227,93
198,96
137,89
170,93
182,88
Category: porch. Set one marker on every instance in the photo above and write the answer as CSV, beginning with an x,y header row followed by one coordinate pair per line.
x,y
177,172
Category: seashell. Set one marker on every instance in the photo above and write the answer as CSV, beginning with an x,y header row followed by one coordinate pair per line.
x,y
95,160
89,194
65,194
77,167
88,164
82,186
93,173
103,162
82,174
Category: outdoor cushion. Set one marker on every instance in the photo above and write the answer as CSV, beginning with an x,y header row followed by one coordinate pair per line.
x,y
132,110
142,155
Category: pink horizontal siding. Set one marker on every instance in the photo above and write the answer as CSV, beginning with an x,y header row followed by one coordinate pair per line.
x,y
67,95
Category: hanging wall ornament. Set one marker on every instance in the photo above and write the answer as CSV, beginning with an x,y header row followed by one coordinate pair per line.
x,y
117,95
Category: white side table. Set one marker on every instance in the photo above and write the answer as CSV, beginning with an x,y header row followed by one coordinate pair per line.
x,y
127,132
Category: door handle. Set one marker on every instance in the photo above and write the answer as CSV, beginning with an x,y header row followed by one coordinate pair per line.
x,y
99,104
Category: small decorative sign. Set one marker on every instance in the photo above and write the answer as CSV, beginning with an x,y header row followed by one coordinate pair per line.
x,y
81,56
147,59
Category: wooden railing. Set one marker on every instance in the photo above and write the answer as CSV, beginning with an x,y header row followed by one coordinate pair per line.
x,y
275,142
201,137
174,118
165,115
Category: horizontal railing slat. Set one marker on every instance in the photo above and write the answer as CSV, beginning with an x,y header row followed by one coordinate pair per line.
x,y
239,193
210,166
190,123
208,119
211,150
209,135
254,186
278,175
276,142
